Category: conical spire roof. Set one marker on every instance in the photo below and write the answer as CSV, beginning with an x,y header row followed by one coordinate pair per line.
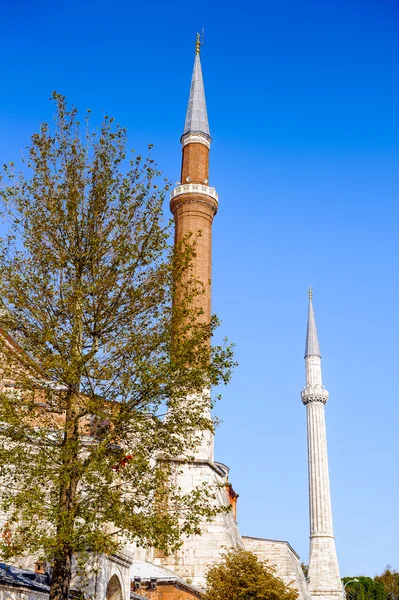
x,y
312,347
197,117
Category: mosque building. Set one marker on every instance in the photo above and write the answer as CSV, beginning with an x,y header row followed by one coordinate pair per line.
x,y
139,573
194,204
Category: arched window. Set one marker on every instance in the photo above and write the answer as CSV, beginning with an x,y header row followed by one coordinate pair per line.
x,y
114,589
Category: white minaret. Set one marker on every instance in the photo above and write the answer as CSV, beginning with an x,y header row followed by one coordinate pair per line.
x,y
324,578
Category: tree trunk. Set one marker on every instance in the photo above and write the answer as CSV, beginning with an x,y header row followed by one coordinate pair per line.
x,y
61,577
62,565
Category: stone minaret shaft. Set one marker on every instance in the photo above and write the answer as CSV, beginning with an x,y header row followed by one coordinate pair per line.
x,y
194,203
324,578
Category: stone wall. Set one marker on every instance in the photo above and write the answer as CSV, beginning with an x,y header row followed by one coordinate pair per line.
x,y
284,558
99,572
199,552
12,593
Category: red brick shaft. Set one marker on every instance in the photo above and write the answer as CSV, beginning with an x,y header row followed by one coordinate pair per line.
x,y
195,164
194,213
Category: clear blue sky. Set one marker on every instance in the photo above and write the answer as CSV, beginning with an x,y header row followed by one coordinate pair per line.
x,y
303,107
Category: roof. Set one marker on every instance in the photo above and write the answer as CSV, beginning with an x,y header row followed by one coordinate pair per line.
x,y
146,571
15,577
312,347
136,596
197,116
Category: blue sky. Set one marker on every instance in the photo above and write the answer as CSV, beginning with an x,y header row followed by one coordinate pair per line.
x,y
303,108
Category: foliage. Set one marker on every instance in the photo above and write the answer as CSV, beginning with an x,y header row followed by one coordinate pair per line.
x,y
382,587
98,354
390,580
305,569
364,589
242,576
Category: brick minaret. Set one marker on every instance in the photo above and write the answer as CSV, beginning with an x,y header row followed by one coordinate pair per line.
x,y
324,579
193,203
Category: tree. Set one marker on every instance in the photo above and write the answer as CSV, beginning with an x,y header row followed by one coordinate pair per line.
x,y
305,569
242,576
365,588
390,580
98,353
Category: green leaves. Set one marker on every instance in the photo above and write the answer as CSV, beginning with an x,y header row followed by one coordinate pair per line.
x,y
389,579
365,588
96,350
242,576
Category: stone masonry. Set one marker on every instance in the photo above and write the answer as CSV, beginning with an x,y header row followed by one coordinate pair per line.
x,y
198,553
284,558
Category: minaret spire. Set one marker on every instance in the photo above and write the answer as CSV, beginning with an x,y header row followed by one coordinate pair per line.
x,y
312,342
197,116
324,578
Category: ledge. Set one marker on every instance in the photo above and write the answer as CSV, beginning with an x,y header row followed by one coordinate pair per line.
x,y
194,188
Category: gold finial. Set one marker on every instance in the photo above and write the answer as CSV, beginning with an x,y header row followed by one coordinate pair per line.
x,y
198,44
310,293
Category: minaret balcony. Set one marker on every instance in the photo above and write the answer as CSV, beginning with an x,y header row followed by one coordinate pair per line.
x,y
314,395
194,188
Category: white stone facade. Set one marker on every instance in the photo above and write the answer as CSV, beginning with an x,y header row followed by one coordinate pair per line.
x,y
12,593
107,577
199,552
284,558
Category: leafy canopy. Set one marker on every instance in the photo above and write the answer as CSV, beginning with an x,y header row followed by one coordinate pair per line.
x,y
99,352
365,588
390,580
242,576
382,587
